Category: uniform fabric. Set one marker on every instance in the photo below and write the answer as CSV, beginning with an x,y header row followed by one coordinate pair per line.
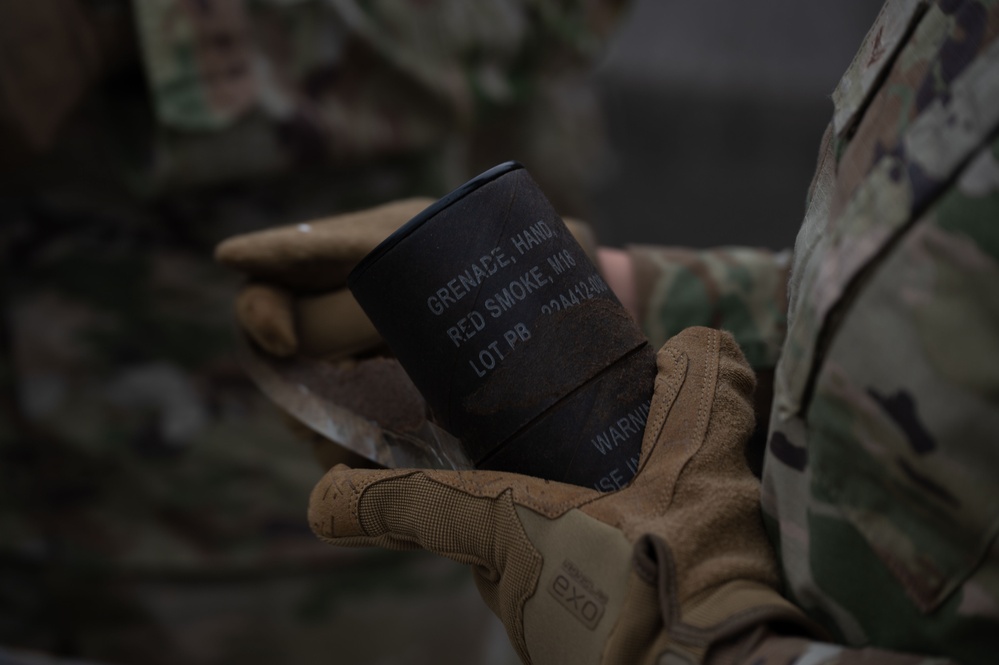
x,y
879,479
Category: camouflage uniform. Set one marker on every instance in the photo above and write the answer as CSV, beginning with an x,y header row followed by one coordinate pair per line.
x,y
279,83
879,482
152,502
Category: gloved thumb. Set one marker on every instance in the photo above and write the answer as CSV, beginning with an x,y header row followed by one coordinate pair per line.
x,y
458,514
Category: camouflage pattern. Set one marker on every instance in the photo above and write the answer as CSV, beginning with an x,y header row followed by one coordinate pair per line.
x,y
879,479
353,81
881,464
152,501
739,289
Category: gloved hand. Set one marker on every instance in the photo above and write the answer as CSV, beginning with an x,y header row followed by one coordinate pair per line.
x,y
297,301
296,304
675,563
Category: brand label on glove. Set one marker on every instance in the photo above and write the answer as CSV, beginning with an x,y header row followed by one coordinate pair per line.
x,y
577,593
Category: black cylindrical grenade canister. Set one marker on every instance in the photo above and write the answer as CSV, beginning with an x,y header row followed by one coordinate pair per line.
x,y
518,345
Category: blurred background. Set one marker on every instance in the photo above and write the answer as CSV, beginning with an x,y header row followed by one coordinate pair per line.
x,y
152,502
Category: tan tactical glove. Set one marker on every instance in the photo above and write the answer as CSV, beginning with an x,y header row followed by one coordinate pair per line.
x,y
297,301
662,571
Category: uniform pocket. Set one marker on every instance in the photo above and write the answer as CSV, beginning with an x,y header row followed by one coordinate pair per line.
x,y
905,408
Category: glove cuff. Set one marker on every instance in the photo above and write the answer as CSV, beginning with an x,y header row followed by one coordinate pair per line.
x,y
656,626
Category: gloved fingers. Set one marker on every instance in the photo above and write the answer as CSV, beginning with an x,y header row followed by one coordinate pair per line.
x,y
266,313
332,326
404,509
458,514
316,256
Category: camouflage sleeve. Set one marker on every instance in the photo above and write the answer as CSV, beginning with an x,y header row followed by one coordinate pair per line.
x,y
739,289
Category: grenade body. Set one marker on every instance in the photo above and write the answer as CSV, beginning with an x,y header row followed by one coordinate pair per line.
x,y
512,336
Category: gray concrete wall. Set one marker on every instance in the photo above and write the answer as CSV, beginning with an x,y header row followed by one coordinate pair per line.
x,y
714,112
